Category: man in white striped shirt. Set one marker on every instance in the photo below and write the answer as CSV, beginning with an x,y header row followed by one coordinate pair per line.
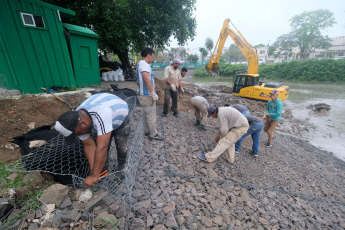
x,y
106,115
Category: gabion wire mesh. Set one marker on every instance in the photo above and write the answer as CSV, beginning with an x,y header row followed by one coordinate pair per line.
x,y
68,164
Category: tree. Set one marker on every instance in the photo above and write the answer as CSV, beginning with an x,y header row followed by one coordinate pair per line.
x,y
234,54
193,58
209,44
125,25
183,53
259,45
203,52
306,32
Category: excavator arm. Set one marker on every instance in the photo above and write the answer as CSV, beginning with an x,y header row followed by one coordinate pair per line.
x,y
244,46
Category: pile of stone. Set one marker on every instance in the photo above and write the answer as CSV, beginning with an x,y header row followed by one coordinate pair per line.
x,y
65,208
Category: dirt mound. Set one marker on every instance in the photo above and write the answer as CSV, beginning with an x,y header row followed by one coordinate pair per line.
x,y
17,114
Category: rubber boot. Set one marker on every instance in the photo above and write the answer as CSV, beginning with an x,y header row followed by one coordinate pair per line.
x,y
202,128
197,123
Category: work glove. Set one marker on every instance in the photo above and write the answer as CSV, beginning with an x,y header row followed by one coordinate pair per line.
x,y
154,96
173,87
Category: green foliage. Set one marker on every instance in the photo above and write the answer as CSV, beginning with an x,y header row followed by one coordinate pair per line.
x,y
225,70
326,70
125,25
108,220
7,184
231,70
201,72
259,45
203,52
193,58
209,44
306,33
233,54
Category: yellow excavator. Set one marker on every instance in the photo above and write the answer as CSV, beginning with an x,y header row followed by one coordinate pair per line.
x,y
248,84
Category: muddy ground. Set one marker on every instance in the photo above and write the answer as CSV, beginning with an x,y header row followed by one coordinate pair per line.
x,y
292,185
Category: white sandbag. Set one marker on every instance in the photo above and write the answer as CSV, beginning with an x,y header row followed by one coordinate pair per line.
x,y
105,76
116,78
121,77
110,76
119,73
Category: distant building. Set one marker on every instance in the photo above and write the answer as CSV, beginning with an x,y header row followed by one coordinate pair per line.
x,y
336,51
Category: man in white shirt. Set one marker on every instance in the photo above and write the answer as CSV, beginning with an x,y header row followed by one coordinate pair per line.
x,y
147,95
106,115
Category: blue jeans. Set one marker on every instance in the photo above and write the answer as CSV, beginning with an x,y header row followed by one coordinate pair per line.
x,y
245,112
254,130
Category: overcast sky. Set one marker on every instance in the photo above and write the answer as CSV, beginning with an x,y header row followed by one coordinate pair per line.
x,y
260,21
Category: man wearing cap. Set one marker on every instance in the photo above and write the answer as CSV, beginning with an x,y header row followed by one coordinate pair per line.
x,y
200,106
172,78
272,116
232,125
106,115
147,95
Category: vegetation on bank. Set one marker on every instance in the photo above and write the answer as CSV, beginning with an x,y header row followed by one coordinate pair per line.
x,y
325,70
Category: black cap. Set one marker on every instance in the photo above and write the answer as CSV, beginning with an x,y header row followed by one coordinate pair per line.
x,y
211,109
66,125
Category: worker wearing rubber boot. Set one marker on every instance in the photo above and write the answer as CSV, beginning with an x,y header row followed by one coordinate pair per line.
x,y
200,106
232,126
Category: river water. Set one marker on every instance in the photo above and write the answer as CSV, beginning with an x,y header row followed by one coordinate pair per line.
x,y
330,130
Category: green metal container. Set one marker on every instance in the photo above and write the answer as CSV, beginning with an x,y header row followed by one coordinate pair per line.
x,y
84,53
34,51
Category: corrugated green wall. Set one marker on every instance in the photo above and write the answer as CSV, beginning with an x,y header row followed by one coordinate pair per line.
x,y
33,57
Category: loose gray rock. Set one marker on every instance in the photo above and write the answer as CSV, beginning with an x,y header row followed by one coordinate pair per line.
x,y
54,194
170,221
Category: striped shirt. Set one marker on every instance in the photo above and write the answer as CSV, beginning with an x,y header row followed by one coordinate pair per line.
x,y
143,66
107,112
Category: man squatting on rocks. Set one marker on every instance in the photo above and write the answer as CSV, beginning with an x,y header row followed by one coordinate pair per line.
x,y
233,125
272,116
172,78
146,93
200,106
106,115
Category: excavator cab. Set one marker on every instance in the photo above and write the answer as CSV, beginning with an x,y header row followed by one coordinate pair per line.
x,y
244,80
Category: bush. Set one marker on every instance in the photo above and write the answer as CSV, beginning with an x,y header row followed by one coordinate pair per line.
x,y
326,70
225,70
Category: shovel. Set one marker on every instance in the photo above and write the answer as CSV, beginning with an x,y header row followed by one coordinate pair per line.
x,y
57,97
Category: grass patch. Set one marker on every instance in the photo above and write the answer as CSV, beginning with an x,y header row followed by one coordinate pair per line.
x,y
7,184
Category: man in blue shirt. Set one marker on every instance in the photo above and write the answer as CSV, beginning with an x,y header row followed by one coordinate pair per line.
x,y
272,116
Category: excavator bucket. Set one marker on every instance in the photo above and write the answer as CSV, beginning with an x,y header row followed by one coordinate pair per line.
x,y
212,68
